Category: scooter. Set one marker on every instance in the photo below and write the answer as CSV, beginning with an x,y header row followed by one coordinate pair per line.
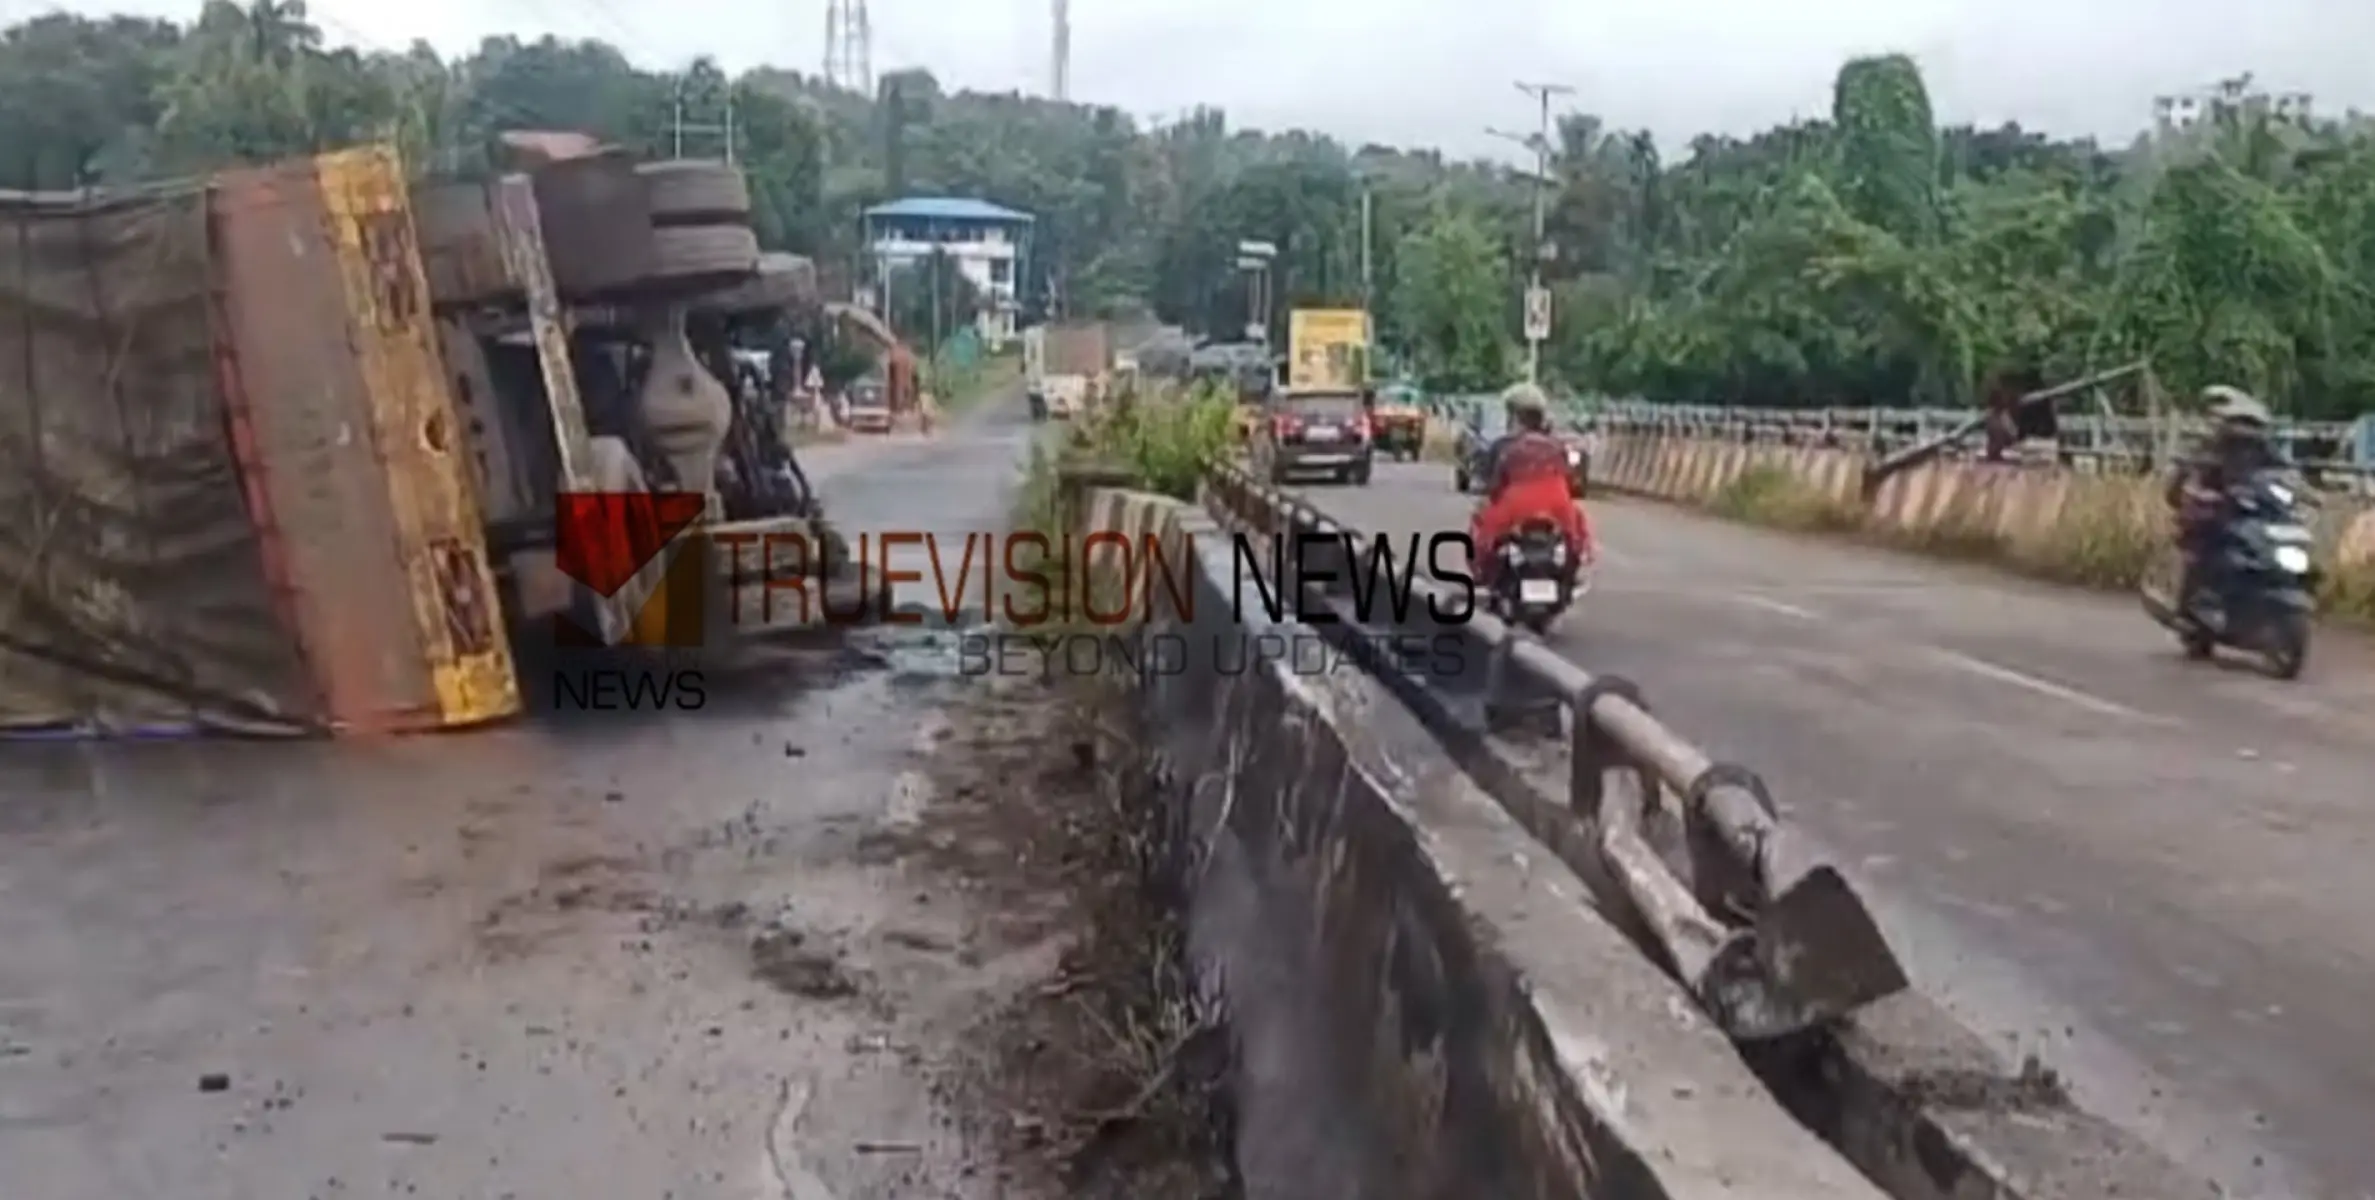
x,y
1537,579
2258,583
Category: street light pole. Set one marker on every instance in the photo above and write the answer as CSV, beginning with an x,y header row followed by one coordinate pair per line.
x,y
1542,93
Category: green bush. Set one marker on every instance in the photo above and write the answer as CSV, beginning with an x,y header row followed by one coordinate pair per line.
x,y
1165,441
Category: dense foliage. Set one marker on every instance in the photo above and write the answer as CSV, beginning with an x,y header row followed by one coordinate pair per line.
x,y
1868,258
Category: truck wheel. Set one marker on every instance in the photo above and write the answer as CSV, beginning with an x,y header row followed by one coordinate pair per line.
x,y
691,192
692,253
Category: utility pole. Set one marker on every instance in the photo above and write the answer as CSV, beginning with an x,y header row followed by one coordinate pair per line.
x,y
1368,260
1537,322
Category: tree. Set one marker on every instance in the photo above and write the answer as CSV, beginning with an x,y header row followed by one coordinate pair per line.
x,y
1867,257
1451,299
931,299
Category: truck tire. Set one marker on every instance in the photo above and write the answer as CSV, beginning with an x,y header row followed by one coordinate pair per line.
x,y
691,192
691,253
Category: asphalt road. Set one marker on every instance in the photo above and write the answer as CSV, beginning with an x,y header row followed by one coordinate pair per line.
x,y
2158,875
606,955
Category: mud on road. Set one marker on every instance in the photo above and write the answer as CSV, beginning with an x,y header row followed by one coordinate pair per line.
x,y
822,940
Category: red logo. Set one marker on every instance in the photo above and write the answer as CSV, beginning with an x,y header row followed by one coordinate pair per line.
x,y
604,540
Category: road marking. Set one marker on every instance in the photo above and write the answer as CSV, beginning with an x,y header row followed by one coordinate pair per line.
x,y
1769,604
2043,687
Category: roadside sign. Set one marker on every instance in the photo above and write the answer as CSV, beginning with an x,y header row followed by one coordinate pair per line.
x,y
1537,314
1254,249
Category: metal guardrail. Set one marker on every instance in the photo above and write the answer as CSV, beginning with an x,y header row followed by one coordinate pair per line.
x,y
1773,944
1765,954
2322,450
2328,452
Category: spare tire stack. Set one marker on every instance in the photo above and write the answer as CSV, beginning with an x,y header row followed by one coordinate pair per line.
x,y
701,237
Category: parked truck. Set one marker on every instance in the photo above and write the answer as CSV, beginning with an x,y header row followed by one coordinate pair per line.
x,y
1065,365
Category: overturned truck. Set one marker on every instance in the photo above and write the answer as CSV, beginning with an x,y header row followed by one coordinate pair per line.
x,y
228,460
285,450
590,308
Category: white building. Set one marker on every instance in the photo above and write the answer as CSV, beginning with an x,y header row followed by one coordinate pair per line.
x,y
987,243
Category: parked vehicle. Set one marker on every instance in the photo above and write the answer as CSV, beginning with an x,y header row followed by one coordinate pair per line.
x,y
2257,585
868,406
1065,363
1534,578
1315,432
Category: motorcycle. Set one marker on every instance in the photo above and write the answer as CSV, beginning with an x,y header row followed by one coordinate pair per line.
x,y
1538,579
2257,584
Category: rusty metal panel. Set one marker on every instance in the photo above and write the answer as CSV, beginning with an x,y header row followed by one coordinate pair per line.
x,y
311,447
330,342
441,534
459,250
520,234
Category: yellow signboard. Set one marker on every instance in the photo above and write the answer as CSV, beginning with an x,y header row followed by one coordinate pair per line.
x,y
1327,348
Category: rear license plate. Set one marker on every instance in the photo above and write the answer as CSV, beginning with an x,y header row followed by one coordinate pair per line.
x,y
1538,591
1320,433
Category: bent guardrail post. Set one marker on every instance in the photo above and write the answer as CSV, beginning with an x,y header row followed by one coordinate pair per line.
x,y
1763,965
1762,962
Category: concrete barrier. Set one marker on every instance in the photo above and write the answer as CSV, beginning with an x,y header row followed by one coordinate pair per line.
x,y
2036,517
1910,1097
1424,1001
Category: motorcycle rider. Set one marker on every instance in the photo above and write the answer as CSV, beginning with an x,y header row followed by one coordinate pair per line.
x,y
1526,480
2238,448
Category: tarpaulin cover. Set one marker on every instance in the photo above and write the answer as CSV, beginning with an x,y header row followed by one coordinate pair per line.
x,y
133,589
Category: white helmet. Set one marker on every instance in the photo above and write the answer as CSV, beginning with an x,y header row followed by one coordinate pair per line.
x,y
1524,397
2234,406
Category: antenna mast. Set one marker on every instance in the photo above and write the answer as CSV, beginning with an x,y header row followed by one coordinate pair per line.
x,y
849,46
1063,50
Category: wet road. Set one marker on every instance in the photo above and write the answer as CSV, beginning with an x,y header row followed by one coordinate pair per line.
x,y
2153,873
617,955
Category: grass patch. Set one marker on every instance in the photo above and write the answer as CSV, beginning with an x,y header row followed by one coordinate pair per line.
x,y
1764,494
1440,443
957,388
2349,592
2097,540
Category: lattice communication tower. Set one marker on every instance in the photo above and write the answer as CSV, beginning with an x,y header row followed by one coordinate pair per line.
x,y
849,46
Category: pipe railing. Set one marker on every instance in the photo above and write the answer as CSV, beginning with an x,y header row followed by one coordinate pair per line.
x,y
1766,952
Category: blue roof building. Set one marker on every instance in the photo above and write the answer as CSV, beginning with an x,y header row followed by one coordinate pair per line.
x,y
989,244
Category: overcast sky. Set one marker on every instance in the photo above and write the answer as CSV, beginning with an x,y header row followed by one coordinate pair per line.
x,y
1437,71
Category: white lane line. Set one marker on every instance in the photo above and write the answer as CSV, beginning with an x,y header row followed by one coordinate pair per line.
x,y
1769,604
2043,687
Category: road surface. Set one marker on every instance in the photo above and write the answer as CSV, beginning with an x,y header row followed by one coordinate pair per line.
x,y
2159,875
609,956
